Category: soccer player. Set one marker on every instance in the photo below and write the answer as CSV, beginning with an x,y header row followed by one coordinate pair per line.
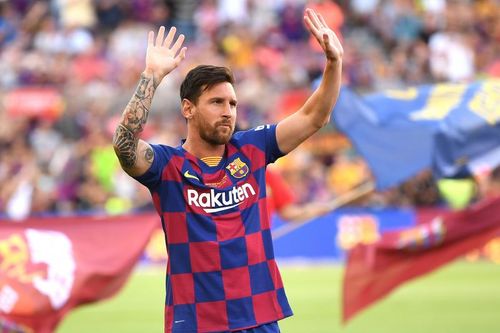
x,y
210,191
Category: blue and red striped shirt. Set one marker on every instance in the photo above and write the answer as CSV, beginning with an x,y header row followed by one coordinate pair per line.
x,y
221,273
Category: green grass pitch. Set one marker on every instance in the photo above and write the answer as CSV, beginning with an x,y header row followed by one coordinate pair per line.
x,y
460,298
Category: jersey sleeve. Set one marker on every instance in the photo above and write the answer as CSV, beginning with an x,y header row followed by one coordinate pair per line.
x,y
152,176
264,138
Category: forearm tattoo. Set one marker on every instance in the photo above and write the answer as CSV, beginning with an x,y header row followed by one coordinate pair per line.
x,y
134,117
125,144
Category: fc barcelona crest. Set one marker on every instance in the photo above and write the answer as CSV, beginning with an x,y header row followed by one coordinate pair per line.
x,y
238,168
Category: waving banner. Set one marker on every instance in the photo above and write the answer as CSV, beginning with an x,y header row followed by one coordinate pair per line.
x,y
452,128
48,266
373,271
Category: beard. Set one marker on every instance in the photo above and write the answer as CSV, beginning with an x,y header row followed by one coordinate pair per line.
x,y
217,134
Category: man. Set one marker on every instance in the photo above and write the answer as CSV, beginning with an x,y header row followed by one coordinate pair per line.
x,y
210,191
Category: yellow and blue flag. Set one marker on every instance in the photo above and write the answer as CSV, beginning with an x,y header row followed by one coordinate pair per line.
x,y
452,128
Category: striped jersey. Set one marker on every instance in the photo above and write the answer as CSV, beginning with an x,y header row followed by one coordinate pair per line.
x,y
221,272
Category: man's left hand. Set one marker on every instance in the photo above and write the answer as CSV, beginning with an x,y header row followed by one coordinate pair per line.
x,y
324,35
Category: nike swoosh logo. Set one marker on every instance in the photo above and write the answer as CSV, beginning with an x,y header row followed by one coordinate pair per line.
x,y
188,175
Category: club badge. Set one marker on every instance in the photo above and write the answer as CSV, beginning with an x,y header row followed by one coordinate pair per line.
x,y
238,168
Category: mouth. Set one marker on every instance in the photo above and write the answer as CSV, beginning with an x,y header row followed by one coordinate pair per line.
x,y
225,125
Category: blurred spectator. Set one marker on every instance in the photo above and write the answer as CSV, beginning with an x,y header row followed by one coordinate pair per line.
x,y
458,193
421,190
347,172
75,13
282,201
8,22
231,11
291,22
451,50
363,8
49,39
488,183
110,14
207,20
181,16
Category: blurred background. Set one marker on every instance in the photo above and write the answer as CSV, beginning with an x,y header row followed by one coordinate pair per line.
x,y
69,68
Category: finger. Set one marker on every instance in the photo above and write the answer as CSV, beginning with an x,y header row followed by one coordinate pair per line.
x,y
151,38
178,44
159,38
310,26
314,18
170,37
322,20
181,55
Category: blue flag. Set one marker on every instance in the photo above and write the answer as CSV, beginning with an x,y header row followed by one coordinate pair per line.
x,y
452,128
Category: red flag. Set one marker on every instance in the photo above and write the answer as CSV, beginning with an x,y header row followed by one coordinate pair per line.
x,y
49,266
373,271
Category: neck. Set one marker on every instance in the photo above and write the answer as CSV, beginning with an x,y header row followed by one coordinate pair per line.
x,y
200,148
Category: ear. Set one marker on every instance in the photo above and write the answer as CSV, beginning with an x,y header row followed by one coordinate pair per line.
x,y
187,108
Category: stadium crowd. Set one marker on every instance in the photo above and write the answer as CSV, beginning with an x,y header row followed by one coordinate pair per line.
x,y
81,59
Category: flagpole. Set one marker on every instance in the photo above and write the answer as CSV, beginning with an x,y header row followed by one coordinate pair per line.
x,y
336,203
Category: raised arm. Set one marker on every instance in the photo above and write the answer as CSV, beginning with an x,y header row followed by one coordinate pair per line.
x,y
162,57
315,113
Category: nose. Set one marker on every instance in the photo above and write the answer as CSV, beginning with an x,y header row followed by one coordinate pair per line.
x,y
226,110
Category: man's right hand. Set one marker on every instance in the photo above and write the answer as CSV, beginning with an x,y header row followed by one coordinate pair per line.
x,y
162,56
136,155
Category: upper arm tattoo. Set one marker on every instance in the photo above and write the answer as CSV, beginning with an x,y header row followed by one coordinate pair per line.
x,y
134,117
149,155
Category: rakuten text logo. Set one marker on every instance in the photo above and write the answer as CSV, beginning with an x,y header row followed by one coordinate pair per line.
x,y
213,201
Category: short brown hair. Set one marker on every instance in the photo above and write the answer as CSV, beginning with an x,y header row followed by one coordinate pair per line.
x,y
203,77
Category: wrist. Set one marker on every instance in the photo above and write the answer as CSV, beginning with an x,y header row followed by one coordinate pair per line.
x,y
334,62
333,66
150,74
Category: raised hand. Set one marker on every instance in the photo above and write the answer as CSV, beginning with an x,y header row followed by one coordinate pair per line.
x,y
162,56
324,35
